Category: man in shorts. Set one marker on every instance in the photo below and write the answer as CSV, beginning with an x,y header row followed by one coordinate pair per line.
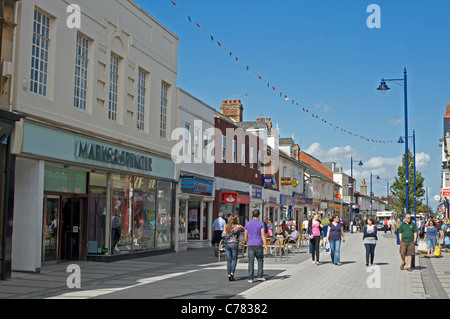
x,y
407,233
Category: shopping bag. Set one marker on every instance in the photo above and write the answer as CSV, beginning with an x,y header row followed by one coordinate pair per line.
x,y
437,251
327,248
422,248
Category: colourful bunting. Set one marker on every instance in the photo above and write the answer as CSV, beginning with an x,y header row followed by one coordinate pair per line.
x,y
286,97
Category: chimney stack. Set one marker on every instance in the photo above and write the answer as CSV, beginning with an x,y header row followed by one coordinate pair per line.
x,y
363,188
233,109
447,115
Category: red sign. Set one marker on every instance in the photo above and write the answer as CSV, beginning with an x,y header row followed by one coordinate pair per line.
x,y
446,192
230,198
243,199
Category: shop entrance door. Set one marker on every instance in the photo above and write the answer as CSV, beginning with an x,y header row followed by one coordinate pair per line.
x,y
72,221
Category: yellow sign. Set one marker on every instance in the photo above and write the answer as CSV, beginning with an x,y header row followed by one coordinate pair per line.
x,y
294,183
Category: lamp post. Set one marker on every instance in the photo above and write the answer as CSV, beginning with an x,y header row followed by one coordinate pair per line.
x,y
384,88
387,188
400,141
371,192
351,200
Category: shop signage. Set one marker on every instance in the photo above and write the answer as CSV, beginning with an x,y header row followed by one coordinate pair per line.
x,y
268,180
286,200
188,183
51,143
197,185
446,192
256,192
110,155
286,181
294,183
229,197
243,199
323,205
272,199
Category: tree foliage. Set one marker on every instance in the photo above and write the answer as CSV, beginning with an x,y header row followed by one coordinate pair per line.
x,y
398,188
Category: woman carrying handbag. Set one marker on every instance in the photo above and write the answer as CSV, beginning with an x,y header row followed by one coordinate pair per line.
x,y
314,231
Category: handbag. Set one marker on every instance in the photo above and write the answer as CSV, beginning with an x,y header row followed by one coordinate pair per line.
x,y
422,248
437,251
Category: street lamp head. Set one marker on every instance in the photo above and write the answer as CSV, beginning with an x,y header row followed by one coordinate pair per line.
x,y
360,163
383,88
400,140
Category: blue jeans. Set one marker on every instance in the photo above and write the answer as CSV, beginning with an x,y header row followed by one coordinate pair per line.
x,y
431,241
335,245
258,252
370,253
232,256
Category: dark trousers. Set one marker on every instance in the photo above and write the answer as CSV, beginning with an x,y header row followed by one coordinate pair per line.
x,y
315,242
370,252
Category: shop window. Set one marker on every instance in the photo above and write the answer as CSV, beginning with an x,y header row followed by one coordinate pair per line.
x,y
194,220
97,214
144,213
182,235
164,215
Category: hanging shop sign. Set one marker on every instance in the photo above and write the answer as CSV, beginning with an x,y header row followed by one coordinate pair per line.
x,y
268,181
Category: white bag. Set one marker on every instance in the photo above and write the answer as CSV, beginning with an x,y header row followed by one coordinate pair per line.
x,y
327,248
423,247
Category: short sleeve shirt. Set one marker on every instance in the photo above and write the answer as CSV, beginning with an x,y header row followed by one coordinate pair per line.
x,y
407,231
253,229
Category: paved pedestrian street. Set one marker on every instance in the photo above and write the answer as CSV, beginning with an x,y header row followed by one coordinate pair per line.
x,y
352,280
197,274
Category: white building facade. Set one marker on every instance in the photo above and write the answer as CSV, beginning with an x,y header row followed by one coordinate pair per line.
x,y
94,169
195,192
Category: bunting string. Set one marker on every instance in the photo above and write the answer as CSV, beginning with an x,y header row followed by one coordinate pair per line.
x,y
271,85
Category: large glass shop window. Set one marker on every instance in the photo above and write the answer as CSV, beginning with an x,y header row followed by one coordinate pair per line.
x,y
97,214
144,213
164,215
134,205
140,216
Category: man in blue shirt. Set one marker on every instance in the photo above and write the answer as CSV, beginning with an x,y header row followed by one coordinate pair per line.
x,y
217,229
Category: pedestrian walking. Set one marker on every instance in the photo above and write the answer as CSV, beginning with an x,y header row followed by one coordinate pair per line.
x,y
116,229
314,230
255,237
408,235
385,225
217,229
335,235
392,225
370,240
431,235
231,235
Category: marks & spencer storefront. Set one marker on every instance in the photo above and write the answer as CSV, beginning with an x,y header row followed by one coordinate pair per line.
x,y
83,197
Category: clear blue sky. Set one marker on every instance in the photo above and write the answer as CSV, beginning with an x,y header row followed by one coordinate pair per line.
x,y
323,55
